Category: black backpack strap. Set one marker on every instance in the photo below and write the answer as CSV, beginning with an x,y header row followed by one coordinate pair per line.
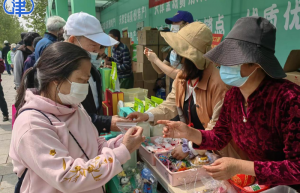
x,y
39,112
20,181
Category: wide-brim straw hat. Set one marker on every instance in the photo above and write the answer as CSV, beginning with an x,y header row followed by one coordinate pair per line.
x,y
191,42
251,40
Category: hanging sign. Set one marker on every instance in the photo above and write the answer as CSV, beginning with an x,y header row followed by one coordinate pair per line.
x,y
217,38
154,3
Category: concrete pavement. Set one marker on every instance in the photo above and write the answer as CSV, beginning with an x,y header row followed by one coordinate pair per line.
x,y
7,178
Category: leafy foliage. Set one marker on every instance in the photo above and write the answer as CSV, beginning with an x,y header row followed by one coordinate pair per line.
x,y
36,20
10,27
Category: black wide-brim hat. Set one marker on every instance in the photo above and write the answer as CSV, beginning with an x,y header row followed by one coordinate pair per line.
x,y
252,40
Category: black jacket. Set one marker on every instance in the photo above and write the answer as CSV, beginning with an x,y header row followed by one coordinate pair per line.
x,y
5,51
101,122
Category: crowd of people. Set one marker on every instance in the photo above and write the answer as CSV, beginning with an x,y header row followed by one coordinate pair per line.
x,y
232,100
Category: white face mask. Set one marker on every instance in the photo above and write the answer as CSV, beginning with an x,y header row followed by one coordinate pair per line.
x,y
175,28
77,94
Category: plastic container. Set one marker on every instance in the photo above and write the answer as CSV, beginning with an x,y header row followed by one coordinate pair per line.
x,y
130,94
177,178
281,189
255,188
149,156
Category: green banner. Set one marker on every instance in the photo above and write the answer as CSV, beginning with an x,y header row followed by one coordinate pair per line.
x,y
218,15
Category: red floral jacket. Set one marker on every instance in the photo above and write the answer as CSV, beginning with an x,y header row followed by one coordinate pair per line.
x,y
271,135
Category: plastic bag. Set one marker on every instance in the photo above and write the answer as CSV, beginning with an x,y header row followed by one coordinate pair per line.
x,y
215,186
125,126
156,100
139,105
114,80
148,104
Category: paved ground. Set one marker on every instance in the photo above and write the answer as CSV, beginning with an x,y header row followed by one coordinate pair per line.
x,y
7,178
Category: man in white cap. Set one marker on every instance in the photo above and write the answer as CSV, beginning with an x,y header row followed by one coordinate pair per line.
x,y
85,30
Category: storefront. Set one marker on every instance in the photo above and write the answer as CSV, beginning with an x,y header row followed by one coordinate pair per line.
x,y
219,15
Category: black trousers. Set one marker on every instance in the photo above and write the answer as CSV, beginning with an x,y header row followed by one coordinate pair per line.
x,y
3,104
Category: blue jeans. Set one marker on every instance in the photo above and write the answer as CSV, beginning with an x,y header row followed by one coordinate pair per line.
x,y
8,67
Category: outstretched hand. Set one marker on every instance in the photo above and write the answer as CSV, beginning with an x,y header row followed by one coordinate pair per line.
x,y
175,129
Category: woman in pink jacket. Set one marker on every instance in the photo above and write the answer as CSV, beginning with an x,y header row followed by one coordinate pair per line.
x,y
55,146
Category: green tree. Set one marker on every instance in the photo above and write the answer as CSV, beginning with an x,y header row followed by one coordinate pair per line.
x,y
36,20
10,27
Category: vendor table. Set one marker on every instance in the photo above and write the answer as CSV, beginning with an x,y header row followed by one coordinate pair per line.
x,y
178,189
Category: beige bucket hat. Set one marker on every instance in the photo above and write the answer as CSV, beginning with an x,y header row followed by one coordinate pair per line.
x,y
191,42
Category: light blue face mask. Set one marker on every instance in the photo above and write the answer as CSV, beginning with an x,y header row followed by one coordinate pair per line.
x,y
231,75
175,60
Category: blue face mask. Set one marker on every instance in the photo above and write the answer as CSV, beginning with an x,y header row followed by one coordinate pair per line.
x,y
175,59
231,75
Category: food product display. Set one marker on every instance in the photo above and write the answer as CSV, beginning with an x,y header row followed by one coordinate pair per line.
x,y
160,144
200,160
243,180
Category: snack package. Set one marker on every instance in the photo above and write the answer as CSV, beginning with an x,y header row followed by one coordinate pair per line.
x,y
138,105
124,182
156,100
114,80
149,104
149,181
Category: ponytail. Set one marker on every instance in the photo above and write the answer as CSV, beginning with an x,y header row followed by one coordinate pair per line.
x,y
27,82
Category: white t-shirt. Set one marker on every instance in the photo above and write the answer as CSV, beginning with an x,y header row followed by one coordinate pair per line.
x,y
93,86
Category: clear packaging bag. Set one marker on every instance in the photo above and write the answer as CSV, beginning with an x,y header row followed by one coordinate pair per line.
x,y
281,189
125,126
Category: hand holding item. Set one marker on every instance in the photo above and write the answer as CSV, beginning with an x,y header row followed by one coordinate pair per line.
x,y
150,55
133,139
178,153
138,117
224,168
114,120
175,129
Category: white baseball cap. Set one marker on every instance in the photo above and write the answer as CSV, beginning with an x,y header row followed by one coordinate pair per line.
x,y
83,24
5,42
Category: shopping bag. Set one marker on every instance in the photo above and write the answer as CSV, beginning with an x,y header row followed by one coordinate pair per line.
x,y
114,80
14,113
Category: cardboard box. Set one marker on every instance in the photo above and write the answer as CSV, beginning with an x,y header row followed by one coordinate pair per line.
x,y
161,40
141,57
107,109
134,66
148,36
160,75
112,98
126,41
167,85
138,80
149,85
291,67
138,76
148,71
138,84
162,55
